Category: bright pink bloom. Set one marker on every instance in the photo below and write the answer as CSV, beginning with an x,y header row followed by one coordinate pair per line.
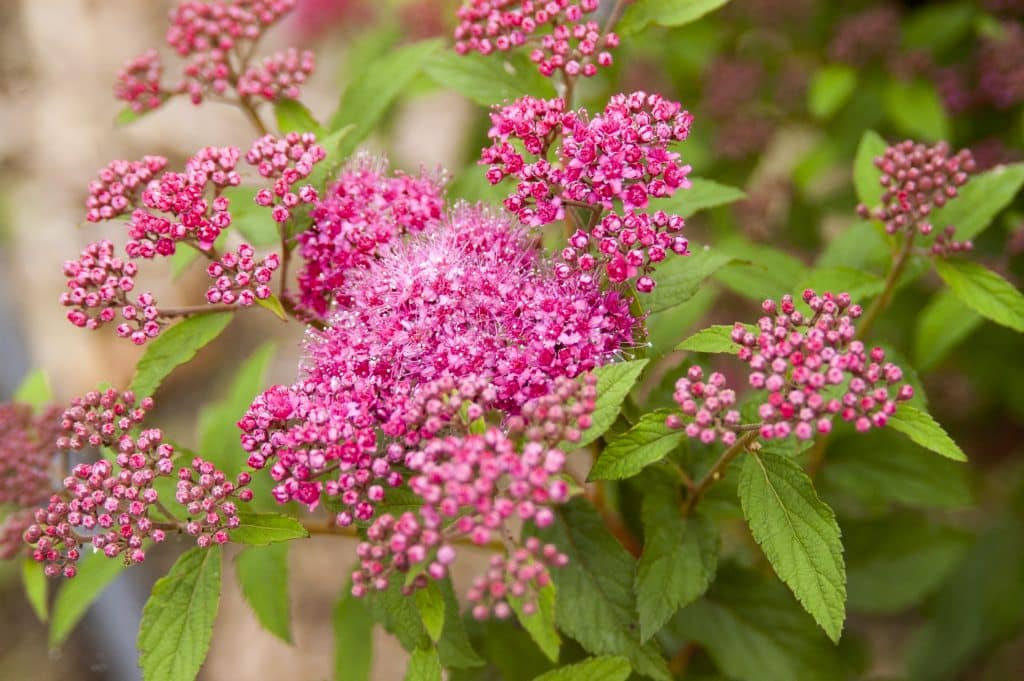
x,y
138,82
279,76
117,187
286,160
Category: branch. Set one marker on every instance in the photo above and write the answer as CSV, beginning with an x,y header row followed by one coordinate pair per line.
x,y
715,473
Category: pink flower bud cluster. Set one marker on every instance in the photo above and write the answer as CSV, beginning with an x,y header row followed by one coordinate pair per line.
x,y
286,160
709,404
520,576
813,368
210,500
365,211
26,451
138,82
627,247
118,186
918,179
12,531
279,76
101,418
98,287
573,46
1000,67
867,36
621,154
946,245
241,279
216,166
199,26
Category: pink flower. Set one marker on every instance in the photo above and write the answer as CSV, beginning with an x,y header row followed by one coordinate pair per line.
x,y
279,76
138,82
118,186
240,279
286,160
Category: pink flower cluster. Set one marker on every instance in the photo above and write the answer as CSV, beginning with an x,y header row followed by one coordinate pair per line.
x,y
138,82
365,211
101,418
519,575
287,161
279,76
26,450
118,186
98,286
917,180
209,497
813,368
240,278
573,46
709,404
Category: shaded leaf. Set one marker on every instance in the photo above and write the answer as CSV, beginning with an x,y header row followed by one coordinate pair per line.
x,y
592,669
260,529
830,88
614,381
353,639
940,327
984,291
627,454
983,197
540,624
430,603
489,79
920,427
95,573
255,222
174,347
34,580
915,108
263,575
702,195
865,174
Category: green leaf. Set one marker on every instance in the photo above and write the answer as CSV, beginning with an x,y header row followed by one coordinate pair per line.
x,y
34,390
430,603
678,563
182,259
540,624
865,174
883,467
263,575
938,27
830,87
941,326
680,277
984,291
860,246
369,96
894,561
260,529
251,219
920,427
353,639
489,79
591,669
614,381
175,346
596,605
754,631
664,329
95,573
177,622
702,195
34,580
714,339
762,272
798,533
915,109
643,444
980,200
293,116
454,648
273,303
664,13
424,665
859,284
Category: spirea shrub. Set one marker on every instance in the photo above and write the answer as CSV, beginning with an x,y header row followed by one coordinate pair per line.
x,y
507,370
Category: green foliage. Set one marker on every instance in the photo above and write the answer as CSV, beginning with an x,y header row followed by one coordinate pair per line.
x,y
861,285
628,453
759,271
984,291
541,623
430,603
943,323
34,581
34,390
865,174
798,533
830,88
920,427
252,220
174,347
592,669
263,575
915,109
353,639
488,79
95,573
424,665
614,381
177,622
293,116
702,195
714,339
665,13
980,200
261,529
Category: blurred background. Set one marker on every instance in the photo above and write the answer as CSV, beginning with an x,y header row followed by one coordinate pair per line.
x,y
782,91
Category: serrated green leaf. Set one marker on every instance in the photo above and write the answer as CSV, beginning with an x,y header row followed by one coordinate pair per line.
x,y
454,649
894,561
702,195
830,88
798,533
34,390
260,529
915,108
424,665
430,603
942,324
540,624
175,346
263,575
596,605
980,200
865,174
680,277
293,116
614,381
859,284
592,669
714,339
488,80
629,453
34,580
353,639
920,427
665,13
678,563
255,222
371,94
95,573
984,291
177,622
754,631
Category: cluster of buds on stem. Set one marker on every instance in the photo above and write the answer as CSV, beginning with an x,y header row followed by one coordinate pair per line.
x,y
287,161
241,279
514,579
